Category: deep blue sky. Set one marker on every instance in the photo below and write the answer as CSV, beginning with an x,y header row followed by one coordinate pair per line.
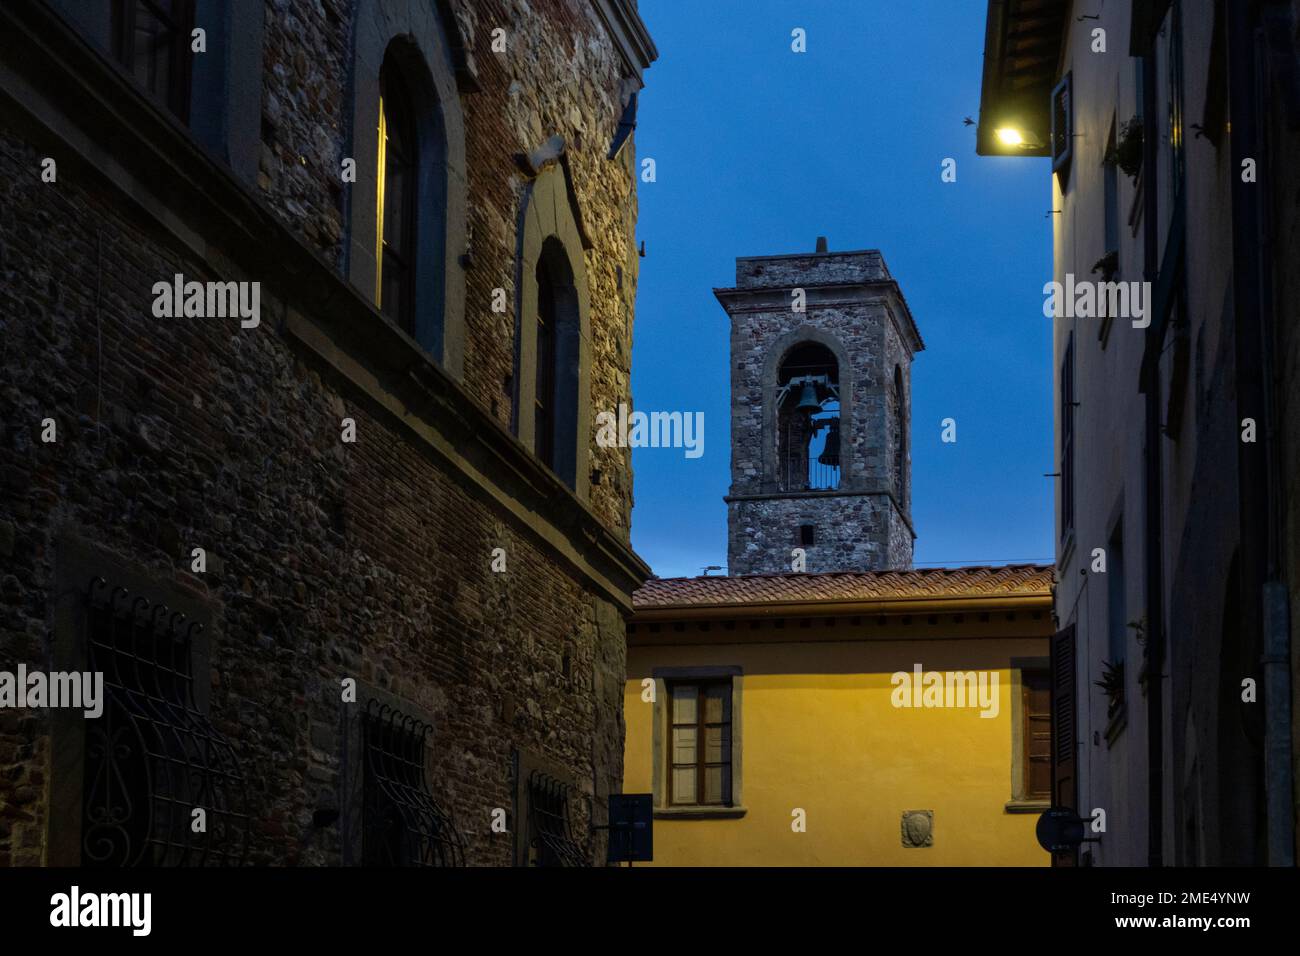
x,y
758,151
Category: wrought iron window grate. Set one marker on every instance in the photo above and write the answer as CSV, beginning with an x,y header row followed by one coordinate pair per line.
x,y
152,758
550,831
403,824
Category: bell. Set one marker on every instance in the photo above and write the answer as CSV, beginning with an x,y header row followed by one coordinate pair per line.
x,y
808,399
830,455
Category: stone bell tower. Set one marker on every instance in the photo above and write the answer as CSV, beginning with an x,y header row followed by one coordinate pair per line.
x,y
821,359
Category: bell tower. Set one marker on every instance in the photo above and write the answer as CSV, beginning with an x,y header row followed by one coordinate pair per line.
x,y
821,359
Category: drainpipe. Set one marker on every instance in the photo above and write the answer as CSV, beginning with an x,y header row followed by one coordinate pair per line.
x,y
1154,553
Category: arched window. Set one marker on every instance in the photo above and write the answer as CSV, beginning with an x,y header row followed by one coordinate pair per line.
x,y
395,209
808,419
544,400
900,439
406,212
555,398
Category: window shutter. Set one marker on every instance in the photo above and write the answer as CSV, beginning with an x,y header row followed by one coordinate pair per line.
x,y
1064,713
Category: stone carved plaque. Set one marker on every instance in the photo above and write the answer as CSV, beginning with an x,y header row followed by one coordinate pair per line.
x,y
918,828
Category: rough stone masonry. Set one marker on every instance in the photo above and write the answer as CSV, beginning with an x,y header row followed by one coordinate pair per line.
x,y
853,307
325,560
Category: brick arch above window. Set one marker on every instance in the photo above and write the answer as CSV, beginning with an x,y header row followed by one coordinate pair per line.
x,y
550,224
424,44
850,466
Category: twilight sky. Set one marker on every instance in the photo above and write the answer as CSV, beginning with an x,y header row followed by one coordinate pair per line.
x,y
758,151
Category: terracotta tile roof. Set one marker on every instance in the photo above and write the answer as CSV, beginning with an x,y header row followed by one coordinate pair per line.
x,y
1014,580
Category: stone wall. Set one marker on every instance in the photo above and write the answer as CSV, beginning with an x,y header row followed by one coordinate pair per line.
x,y
325,560
854,309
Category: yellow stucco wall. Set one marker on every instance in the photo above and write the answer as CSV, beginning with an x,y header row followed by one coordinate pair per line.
x,y
819,732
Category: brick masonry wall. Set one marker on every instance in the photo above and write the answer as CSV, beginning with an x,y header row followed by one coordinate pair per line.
x,y
560,75
325,560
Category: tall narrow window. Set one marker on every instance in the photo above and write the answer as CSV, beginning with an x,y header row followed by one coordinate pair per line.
x,y
151,38
1067,437
1036,727
1174,104
1117,616
1110,198
700,753
544,400
395,207
900,439
556,363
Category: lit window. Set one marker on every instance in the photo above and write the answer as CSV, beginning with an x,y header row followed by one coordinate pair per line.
x,y
700,750
395,207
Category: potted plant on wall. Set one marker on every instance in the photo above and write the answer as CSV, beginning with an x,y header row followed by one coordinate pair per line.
x,y
1126,153
1107,265
1112,685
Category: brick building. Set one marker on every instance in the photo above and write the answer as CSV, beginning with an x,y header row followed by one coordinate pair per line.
x,y
353,569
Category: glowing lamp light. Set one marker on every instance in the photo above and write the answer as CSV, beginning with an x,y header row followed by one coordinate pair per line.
x,y
1009,136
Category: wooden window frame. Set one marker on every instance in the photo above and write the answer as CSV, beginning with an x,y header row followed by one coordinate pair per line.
x,y
1044,676
662,741
1023,799
701,725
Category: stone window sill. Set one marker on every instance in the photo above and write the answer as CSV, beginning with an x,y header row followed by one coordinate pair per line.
x,y
1027,806
699,813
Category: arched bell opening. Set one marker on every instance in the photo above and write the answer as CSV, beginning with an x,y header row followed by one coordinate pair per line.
x,y
808,419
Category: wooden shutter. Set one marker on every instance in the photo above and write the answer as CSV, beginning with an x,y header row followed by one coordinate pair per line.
x,y
1064,717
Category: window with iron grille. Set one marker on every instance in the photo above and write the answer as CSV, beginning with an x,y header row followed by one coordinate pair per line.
x,y
152,758
551,840
402,824
699,769
151,38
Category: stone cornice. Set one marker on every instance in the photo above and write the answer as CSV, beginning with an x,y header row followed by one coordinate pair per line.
x,y
740,299
54,81
629,33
